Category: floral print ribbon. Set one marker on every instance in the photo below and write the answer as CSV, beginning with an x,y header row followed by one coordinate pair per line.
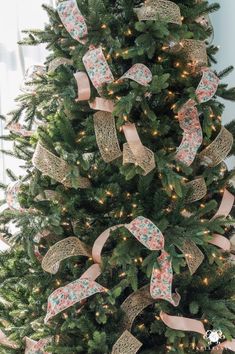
x,y
99,71
139,73
33,347
97,67
151,237
192,137
73,20
12,196
189,117
74,292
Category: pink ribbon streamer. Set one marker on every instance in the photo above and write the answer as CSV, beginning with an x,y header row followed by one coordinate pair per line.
x,y
83,84
102,104
224,210
221,242
189,118
33,347
187,324
225,206
67,296
142,156
73,20
12,196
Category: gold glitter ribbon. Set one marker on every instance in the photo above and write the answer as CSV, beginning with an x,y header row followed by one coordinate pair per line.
x,y
134,304
126,344
195,52
166,11
193,255
218,150
66,248
55,63
106,136
198,190
135,152
55,167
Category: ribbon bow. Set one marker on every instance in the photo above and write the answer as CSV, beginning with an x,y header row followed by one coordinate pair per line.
x,y
151,237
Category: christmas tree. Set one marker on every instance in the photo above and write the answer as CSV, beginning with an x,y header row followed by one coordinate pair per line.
x,y
124,215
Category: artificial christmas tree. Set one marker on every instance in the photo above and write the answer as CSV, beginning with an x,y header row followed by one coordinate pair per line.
x,y
123,212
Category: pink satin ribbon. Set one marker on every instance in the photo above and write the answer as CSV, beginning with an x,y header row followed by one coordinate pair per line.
x,y
83,84
187,324
225,206
221,242
223,211
102,104
100,242
182,323
133,140
141,155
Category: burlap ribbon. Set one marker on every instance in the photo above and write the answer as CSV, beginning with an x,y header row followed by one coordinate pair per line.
x,y
55,63
197,189
66,248
218,150
56,168
166,11
135,152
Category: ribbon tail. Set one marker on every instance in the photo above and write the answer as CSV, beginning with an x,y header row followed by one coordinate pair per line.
x,y
161,281
182,323
228,345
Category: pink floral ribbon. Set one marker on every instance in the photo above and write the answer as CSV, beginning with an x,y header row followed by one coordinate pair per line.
x,y
68,295
192,137
189,117
33,347
187,324
139,73
84,89
97,67
151,237
73,20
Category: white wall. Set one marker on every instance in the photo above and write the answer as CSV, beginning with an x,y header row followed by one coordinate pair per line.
x,y
224,28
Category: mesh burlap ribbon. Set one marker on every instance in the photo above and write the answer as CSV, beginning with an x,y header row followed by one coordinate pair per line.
x,y
55,167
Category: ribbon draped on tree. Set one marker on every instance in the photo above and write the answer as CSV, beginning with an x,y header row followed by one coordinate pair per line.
x,y
189,117
33,347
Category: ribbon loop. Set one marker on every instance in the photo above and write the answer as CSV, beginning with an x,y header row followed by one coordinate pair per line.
x,y
151,237
73,20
